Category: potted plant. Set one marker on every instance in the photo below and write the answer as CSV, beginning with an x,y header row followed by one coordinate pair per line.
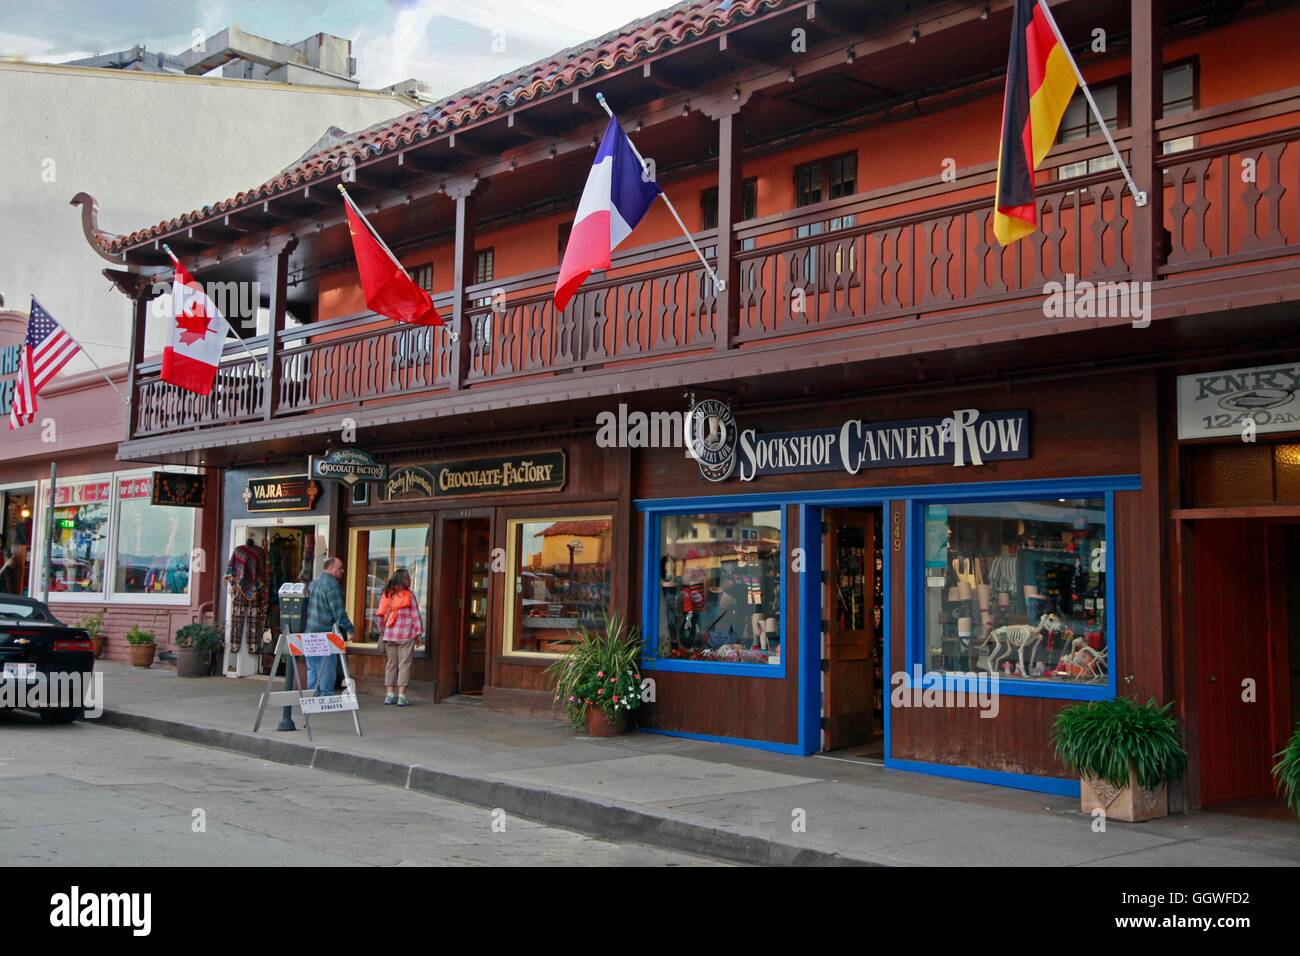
x,y
93,625
194,646
1125,754
1287,772
599,679
142,646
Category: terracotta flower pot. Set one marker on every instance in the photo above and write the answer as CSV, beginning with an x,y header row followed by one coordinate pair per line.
x,y
599,725
142,654
1132,804
99,643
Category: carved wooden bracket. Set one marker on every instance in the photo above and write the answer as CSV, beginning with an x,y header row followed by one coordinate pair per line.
x,y
95,236
135,285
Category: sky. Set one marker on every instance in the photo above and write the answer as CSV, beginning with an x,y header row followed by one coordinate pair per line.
x,y
451,44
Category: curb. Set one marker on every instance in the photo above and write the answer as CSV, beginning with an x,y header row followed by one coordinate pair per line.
x,y
593,816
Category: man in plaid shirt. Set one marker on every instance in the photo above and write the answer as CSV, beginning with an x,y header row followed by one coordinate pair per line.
x,y
326,612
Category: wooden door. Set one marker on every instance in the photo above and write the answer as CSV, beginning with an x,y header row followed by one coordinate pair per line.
x,y
475,577
1232,619
848,598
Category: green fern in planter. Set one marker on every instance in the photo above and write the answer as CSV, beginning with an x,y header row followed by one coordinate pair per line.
x,y
138,636
1103,738
1287,772
200,637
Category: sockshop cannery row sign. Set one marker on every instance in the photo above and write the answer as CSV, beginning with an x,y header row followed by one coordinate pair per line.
x,y
967,437
501,475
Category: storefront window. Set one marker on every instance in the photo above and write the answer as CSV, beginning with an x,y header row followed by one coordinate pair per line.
x,y
153,542
375,555
719,584
559,578
80,547
19,505
1017,588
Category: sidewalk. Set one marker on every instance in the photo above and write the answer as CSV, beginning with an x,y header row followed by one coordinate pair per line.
x,y
731,802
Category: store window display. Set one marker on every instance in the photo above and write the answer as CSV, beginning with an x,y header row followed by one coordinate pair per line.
x,y
720,587
1018,589
380,553
80,547
559,576
153,542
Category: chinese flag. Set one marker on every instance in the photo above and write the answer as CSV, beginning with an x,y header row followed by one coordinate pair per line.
x,y
389,290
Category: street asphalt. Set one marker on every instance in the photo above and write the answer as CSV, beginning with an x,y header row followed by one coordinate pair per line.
x,y
91,795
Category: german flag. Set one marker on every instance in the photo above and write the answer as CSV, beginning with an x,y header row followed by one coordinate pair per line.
x,y
1040,83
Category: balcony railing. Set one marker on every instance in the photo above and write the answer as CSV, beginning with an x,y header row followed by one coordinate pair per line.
x,y
906,251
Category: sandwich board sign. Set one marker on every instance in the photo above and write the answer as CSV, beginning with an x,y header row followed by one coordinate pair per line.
x,y
317,644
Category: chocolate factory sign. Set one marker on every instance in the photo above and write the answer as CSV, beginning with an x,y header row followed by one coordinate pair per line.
x,y
509,474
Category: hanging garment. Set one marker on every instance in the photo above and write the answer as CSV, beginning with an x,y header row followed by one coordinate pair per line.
x,y
246,575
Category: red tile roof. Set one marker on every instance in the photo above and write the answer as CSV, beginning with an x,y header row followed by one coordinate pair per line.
x,y
676,24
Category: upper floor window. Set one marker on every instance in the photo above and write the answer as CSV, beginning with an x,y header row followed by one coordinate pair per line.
x,y
823,180
423,276
484,271
1080,123
709,213
484,265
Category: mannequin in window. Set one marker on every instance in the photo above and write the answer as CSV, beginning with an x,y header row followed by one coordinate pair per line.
x,y
246,576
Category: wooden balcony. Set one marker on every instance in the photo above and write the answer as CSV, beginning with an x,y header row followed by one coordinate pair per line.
x,y
895,263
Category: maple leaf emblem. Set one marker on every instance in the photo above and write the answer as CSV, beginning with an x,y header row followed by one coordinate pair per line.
x,y
193,323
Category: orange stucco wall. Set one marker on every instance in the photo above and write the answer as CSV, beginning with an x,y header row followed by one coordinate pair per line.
x,y
888,153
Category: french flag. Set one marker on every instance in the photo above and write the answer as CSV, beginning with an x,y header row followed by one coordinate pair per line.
x,y
615,199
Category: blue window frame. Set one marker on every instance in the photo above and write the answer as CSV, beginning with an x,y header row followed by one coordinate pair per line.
x,y
655,512
1028,491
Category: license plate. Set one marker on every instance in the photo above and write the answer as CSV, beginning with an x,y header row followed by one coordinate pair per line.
x,y
23,672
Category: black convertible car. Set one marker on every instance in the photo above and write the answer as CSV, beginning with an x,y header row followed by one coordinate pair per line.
x,y
45,665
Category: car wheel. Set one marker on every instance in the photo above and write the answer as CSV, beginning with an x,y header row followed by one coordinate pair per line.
x,y
64,715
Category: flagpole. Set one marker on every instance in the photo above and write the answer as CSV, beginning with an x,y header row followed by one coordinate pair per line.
x,y
720,284
256,361
1139,197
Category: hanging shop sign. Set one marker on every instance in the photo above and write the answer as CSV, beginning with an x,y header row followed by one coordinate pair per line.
x,y
285,493
503,475
967,437
348,465
179,491
1239,402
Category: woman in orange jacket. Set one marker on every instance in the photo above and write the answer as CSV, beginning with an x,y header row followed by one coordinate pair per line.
x,y
402,630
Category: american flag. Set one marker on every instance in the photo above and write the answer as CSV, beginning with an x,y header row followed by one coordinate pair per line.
x,y
47,349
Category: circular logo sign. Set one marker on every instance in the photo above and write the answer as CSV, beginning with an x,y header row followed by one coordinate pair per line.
x,y
712,438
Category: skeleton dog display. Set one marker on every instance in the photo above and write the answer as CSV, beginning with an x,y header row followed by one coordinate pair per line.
x,y
1017,589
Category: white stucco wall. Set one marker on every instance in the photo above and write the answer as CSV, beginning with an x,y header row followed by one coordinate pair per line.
x,y
147,147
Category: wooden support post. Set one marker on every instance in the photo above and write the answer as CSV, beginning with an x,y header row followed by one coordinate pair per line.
x,y
463,276
1147,78
726,112
731,209
139,314
278,308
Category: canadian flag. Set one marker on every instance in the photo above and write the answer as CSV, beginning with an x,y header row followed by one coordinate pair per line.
x,y
198,335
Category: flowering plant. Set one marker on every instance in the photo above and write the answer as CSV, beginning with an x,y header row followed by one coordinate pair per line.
x,y
602,669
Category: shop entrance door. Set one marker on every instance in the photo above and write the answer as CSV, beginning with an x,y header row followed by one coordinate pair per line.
x,y
466,574
851,655
1245,599
291,552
